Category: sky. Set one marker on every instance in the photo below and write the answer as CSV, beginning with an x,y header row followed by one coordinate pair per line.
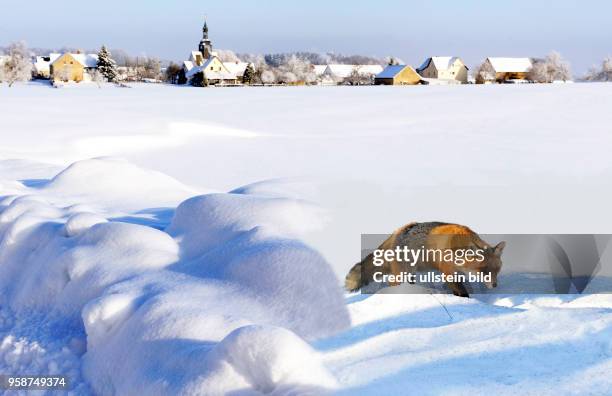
x,y
580,30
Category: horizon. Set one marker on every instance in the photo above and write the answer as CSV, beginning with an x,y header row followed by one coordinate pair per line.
x,y
409,33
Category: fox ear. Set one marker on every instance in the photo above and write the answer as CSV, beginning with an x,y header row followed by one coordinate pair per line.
x,y
499,248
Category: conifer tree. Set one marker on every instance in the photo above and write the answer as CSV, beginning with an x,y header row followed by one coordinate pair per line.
x,y
249,74
106,65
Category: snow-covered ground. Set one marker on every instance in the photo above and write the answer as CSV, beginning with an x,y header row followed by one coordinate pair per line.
x,y
152,271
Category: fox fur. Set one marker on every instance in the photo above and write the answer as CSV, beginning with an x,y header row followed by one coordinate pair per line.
x,y
432,235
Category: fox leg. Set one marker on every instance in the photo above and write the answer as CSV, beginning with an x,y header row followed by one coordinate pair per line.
x,y
458,289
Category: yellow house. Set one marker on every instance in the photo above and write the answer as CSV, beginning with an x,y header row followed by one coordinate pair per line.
x,y
72,67
444,68
397,75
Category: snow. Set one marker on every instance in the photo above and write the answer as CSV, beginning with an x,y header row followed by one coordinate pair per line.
x,y
509,65
143,275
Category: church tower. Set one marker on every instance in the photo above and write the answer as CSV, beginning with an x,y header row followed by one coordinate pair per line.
x,y
205,46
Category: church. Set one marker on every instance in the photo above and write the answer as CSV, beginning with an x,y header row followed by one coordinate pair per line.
x,y
216,71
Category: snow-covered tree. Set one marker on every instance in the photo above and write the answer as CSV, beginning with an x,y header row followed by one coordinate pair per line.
x,y
17,66
552,68
484,72
268,77
249,74
152,68
227,56
97,78
107,65
603,74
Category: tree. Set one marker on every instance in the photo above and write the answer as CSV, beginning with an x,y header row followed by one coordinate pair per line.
x,y
393,61
268,77
199,80
603,74
552,68
249,74
227,56
17,66
97,77
359,78
107,65
152,68
172,73
484,73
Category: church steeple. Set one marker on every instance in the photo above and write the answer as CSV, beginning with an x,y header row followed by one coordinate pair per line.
x,y
205,46
205,31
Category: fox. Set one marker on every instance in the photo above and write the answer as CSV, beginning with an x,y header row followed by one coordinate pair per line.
x,y
431,235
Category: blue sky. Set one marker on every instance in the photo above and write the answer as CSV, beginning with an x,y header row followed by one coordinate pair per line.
x,y
580,30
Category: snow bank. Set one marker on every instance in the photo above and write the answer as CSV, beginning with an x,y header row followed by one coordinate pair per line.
x,y
216,303
117,183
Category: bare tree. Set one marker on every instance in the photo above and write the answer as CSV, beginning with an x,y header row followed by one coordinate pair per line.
x,y
64,74
484,73
603,74
17,65
552,68
152,68
98,78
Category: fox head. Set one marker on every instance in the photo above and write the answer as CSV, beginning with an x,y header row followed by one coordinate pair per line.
x,y
492,263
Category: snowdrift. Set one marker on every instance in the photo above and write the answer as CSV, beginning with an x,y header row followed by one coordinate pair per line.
x,y
217,302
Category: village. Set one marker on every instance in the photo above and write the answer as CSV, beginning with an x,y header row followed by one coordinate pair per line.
x,y
206,67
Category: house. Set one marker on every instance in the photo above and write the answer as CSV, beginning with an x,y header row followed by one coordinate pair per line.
x,y
504,69
449,68
335,73
72,67
42,66
397,75
206,61
214,71
237,68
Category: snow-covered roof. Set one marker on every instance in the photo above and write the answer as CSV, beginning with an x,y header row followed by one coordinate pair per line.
x,y
188,65
344,71
211,75
440,62
391,71
510,65
86,60
319,69
194,55
236,68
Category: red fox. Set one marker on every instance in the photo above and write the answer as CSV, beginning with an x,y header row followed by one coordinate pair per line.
x,y
433,237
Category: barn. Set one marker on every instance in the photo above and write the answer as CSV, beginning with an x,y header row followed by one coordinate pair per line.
x,y
504,69
397,75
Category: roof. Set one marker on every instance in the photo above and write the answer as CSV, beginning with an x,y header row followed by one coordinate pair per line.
x,y
344,71
391,71
236,68
211,75
86,60
188,65
510,65
440,62
319,69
